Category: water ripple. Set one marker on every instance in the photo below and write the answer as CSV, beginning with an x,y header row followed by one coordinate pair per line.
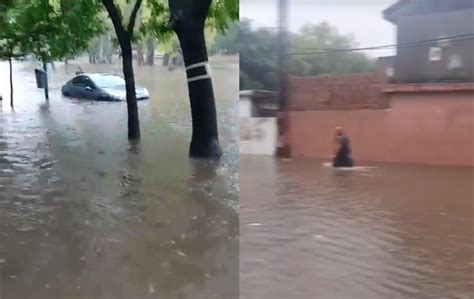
x,y
307,233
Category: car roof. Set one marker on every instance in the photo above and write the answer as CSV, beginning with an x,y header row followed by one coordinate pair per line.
x,y
97,75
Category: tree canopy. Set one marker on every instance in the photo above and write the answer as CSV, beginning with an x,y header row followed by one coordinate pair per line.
x,y
50,30
55,29
258,57
156,18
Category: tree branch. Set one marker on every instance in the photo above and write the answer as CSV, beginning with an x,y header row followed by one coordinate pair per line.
x,y
133,16
115,17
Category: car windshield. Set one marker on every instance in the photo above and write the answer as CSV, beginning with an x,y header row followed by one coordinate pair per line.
x,y
108,81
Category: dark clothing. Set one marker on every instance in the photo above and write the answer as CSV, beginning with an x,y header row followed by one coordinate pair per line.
x,y
343,156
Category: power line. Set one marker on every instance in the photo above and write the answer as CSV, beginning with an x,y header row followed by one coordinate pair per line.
x,y
449,38
401,45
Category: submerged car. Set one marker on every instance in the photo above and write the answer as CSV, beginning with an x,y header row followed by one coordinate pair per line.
x,y
100,87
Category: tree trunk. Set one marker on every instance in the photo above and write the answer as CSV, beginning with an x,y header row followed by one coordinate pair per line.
x,y
132,106
150,54
140,59
11,82
46,89
124,36
166,59
110,49
101,49
205,140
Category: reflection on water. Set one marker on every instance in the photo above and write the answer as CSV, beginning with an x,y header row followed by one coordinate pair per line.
x,y
389,232
84,214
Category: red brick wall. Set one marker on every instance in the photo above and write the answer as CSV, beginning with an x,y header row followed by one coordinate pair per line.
x,y
425,128
338,92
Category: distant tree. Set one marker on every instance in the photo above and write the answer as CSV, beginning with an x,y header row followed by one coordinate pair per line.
x,y
5,5
227,42
257,57
150,50
321,38
258,60
9,39
172,50
55,30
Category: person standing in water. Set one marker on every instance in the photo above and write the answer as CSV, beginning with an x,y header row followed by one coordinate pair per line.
x,y
342,150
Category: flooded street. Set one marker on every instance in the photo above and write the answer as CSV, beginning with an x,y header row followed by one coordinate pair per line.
x,y
394,231
85,215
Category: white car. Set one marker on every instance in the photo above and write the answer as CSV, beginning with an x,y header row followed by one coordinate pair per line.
x,y
100,87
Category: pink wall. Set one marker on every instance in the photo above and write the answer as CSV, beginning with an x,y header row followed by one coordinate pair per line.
x,y
426,128
338,92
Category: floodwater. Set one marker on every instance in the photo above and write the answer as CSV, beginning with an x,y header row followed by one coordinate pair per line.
x,y
84,214
394,231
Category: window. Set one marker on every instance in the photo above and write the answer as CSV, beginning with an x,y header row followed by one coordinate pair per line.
x,y
108,81
455,62
80,81
89,83
83,81
435,54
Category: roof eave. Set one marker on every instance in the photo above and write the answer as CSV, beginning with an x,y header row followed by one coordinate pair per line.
x,y
389,12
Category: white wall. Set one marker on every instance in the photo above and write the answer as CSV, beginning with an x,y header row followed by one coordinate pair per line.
x,y
258,136
245,107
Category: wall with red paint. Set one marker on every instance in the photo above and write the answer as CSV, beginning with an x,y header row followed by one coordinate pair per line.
x,y
420,127
338,92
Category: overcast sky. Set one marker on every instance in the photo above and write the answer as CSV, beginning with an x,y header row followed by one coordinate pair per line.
x,y
363,18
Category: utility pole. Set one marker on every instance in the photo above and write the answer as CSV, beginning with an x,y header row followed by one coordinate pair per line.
x,y
282,119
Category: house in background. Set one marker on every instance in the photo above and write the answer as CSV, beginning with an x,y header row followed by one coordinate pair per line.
x,y
385,66
258,123
443,60
258,103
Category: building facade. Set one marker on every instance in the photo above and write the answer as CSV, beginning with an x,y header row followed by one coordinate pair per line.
x,y
258,103
449,28
417,107
258,123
